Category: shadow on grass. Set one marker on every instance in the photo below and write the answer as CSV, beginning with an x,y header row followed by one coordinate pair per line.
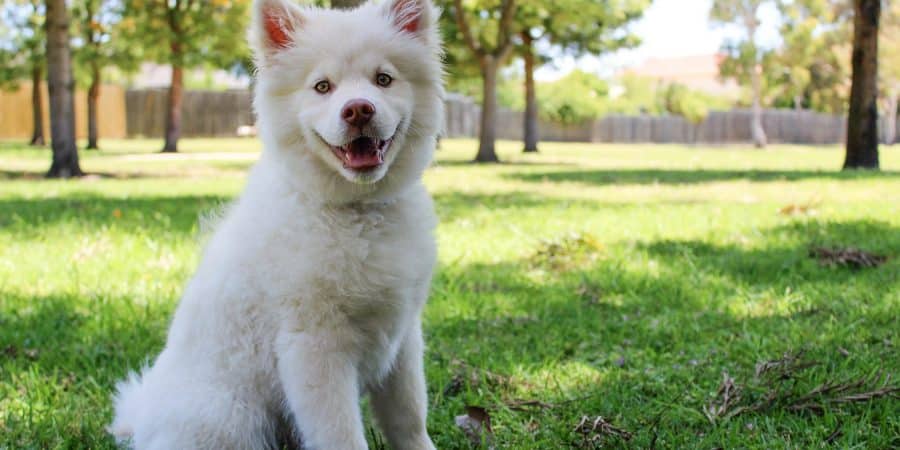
x,y
63,354
178,214
32,175
470,163
675,176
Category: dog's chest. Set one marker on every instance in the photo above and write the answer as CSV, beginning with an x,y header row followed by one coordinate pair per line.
x,y
372,267
371,252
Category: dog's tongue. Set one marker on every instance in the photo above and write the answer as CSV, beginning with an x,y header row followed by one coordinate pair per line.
x,y
363,154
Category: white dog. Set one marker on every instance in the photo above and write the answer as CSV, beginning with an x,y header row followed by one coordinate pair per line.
x,y
309,293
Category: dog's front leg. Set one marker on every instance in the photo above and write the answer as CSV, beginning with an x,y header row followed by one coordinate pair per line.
x,y
400,401
321,385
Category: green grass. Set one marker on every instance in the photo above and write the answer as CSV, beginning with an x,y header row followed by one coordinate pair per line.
x,y
614,281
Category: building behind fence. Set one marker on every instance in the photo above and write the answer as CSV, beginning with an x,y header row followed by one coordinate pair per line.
x,y
142,112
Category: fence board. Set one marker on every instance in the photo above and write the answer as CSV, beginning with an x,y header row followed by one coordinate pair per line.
x,y
16,119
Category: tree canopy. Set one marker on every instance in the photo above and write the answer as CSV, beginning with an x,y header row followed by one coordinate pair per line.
x,y
21,40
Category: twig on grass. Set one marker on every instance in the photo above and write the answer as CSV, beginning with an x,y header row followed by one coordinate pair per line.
x,y
594,430
733,399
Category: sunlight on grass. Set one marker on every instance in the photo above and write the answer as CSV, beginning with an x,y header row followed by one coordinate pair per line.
x,y
596,280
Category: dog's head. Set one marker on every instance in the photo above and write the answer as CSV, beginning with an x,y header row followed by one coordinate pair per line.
x,y
349,100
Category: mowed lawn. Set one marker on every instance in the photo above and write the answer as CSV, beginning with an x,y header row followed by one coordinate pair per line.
x,y
667,289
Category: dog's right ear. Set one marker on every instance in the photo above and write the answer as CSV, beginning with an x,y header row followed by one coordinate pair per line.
x,y
273,26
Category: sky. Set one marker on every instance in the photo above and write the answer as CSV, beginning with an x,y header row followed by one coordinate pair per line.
x,y
669,28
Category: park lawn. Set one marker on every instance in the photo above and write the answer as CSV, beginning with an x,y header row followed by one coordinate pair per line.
x,y
626,282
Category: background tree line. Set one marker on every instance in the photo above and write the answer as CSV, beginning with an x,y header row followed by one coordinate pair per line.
x,y
811,69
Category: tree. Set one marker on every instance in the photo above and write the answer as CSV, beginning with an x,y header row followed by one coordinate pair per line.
x,y
22,55
889,68
745,59
61,85
575,27
187,34
862,122
96,22
489,40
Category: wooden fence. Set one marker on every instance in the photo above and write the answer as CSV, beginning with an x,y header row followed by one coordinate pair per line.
x,y
203,114
720,127
220,113
16,121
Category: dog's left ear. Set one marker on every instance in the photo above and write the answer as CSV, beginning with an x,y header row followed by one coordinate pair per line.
x,y
412,16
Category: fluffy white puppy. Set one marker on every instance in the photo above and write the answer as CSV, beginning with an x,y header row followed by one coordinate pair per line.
x,y
309,293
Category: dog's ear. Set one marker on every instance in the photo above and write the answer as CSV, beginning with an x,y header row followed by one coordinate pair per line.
x,y
412,16
273,26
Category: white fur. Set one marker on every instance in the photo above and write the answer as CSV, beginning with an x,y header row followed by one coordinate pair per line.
x,y
309,293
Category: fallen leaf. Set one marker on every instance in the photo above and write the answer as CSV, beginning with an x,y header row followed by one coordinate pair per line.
x,y
476,424
799,209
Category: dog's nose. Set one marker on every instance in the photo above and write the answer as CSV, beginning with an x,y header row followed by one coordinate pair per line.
x,y
358,112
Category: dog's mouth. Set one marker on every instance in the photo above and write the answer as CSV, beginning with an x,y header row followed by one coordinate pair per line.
x,y
363,153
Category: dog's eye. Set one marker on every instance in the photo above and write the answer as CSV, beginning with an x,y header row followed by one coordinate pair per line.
x,y
323,87
383,79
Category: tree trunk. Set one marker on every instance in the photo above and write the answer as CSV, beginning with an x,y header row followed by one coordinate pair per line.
x,y
890,123
862,123
62,100
756,126
92,97
37,105
488,133
531,111
346,4
173,111
798,102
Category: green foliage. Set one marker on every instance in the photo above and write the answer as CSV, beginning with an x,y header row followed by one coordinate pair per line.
x,y
581,96
100,40
636,95
573,99
679,100
22,43
581,26
742,60
188,33
698,274
812,65
574,27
